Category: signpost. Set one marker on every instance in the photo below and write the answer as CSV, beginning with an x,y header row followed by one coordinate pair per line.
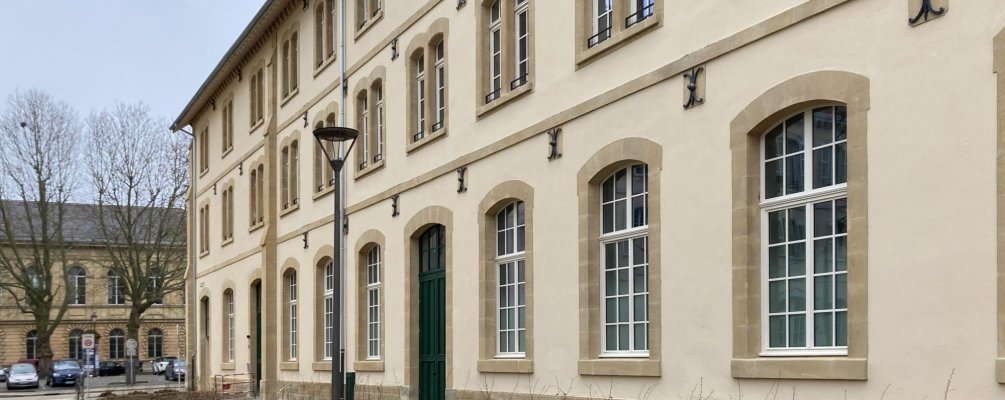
x,y
131,363
87,342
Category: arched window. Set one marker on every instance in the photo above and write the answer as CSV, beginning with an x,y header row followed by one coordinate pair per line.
x,y
495,52
440,95
31,344
378,149
116,343
420,93
284,187
624,236
155,343
116,289
373,303
76,350
363,122
804,212
328,294
291,314
228,298
76,284
510,280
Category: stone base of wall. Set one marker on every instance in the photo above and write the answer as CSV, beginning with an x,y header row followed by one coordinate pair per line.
x,y
498,395
290,390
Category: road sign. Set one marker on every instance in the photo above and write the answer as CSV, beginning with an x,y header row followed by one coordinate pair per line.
x,y
131,344
87,340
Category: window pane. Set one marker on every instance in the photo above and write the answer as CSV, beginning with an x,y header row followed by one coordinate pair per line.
x,y
841,253
608,217
823,125
794,134
841,329
610,255
773,143
841,166
841,291
797,295
797,259
776,262
638,211
620,184
611,337
776,227
640,337
638,179
797,330
623,337
797,223
620,214
840,123
823,329
823,219
611,283
622,254
776,331
822,259
639,311
639,251
776,296
608,191
611,310
822,167
794,174
623,281
773,179
639,279
823,293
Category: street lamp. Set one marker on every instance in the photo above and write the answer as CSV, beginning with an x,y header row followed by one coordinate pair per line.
x,y
94,330
336,135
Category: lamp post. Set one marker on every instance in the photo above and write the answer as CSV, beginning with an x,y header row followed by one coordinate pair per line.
x,y
94,351
337,135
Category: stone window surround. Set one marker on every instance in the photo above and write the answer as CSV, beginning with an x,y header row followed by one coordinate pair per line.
x,y
227,213
204,237
424,44
366,242
256,95
507,58
423,219
619,34
494,201
291,176
322,257
286,363
365,87
999,69
746,131
324,49
228,290
326,117
256,200
290,63
362,26
610,158
227,125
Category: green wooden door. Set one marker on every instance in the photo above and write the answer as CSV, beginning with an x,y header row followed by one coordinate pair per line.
x,y
432,314
258,337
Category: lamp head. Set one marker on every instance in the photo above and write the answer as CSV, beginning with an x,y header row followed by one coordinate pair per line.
x,y
335,134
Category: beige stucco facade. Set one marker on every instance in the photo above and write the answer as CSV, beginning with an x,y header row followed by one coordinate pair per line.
x,y
925,282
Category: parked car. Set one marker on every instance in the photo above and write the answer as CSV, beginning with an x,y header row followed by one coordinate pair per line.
x,y
22,375
110,368
32,361
175,370
160,364
3,374
64,372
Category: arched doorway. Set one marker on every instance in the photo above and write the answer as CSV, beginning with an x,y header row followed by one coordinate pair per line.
x,y
432,313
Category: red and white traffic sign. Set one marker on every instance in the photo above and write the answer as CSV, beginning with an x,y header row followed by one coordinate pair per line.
x,y
87,341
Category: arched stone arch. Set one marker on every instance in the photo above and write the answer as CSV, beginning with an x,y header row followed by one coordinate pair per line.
x,y
364,244
746,130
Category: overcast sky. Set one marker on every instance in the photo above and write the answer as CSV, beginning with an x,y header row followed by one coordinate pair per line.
x,y
91,53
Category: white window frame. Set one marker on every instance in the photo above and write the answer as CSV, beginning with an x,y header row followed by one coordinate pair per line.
x,y
230,326
291,281
607,15
627,234
524,9
116,344
440,95
79,279
328,298
806,199
420,93
115,286
155,338
511,260
364,129
378,93
373,283
495,51
75,350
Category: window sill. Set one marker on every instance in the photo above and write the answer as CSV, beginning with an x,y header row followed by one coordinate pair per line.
x,y
368,170
256,227
821,368
507,365
586,55
203,172
368,366
1000,370
323,193
429,138
322,365
290,96
227,152
484,109
289,366
227,241
204,254
228,366
289,210
368,24
620,367
324,65
256,125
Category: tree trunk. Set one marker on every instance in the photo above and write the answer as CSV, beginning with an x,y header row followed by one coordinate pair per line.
x,y
43,350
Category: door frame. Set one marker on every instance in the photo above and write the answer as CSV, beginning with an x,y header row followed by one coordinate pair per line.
x,y
422,220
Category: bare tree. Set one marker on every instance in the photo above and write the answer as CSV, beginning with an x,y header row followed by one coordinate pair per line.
x,y
38,138
140,173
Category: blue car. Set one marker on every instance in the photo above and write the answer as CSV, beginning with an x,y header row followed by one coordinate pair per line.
x,y
65,372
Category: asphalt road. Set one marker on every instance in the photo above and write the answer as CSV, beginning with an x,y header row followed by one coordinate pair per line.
x,y
145,382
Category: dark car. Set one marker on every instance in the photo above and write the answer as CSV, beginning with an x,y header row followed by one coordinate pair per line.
x,y
110,368
175,370
65,372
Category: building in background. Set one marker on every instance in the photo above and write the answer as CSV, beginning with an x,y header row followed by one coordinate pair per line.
x,y
614,199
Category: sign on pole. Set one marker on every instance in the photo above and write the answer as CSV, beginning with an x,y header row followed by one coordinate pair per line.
x,y
87,340
131,348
